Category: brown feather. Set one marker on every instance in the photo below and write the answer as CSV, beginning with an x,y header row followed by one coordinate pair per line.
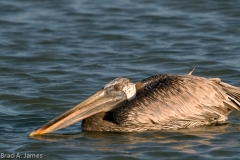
x,y
173,102
170,102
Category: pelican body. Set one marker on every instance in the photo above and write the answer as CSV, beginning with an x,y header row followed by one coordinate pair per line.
x,y
160,102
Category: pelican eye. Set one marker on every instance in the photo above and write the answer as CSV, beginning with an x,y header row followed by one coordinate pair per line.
x,y
117,87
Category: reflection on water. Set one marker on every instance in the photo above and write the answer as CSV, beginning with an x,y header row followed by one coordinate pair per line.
x,y
183,142
138,137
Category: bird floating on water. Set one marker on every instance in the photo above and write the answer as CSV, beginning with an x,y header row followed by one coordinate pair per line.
x,y
160,102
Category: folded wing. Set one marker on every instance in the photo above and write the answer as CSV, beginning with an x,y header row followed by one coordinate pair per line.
x,y
173,102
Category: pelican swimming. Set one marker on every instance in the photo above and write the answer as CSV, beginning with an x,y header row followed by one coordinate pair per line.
x,y
160,102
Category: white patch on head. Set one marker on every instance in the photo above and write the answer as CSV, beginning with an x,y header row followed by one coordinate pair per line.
x,y
115,81
130,90
128,87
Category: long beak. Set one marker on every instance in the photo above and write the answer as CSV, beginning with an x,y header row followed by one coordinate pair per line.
x,y
101,101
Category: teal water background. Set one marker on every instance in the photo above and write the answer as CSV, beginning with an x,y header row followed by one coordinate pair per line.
x,y
54,54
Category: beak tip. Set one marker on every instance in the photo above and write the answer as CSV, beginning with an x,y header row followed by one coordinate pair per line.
x,y
31,134
37,132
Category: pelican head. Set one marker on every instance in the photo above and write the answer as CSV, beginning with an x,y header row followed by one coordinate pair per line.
x,y
111,96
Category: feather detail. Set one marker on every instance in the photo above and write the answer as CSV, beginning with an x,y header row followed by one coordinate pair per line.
x,y
173,102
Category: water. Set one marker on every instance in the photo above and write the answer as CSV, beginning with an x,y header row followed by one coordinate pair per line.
x,y
54,54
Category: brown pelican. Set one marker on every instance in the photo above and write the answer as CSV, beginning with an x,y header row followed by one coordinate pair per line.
x,y
159,102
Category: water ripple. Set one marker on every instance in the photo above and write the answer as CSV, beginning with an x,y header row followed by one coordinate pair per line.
x,y
54,55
